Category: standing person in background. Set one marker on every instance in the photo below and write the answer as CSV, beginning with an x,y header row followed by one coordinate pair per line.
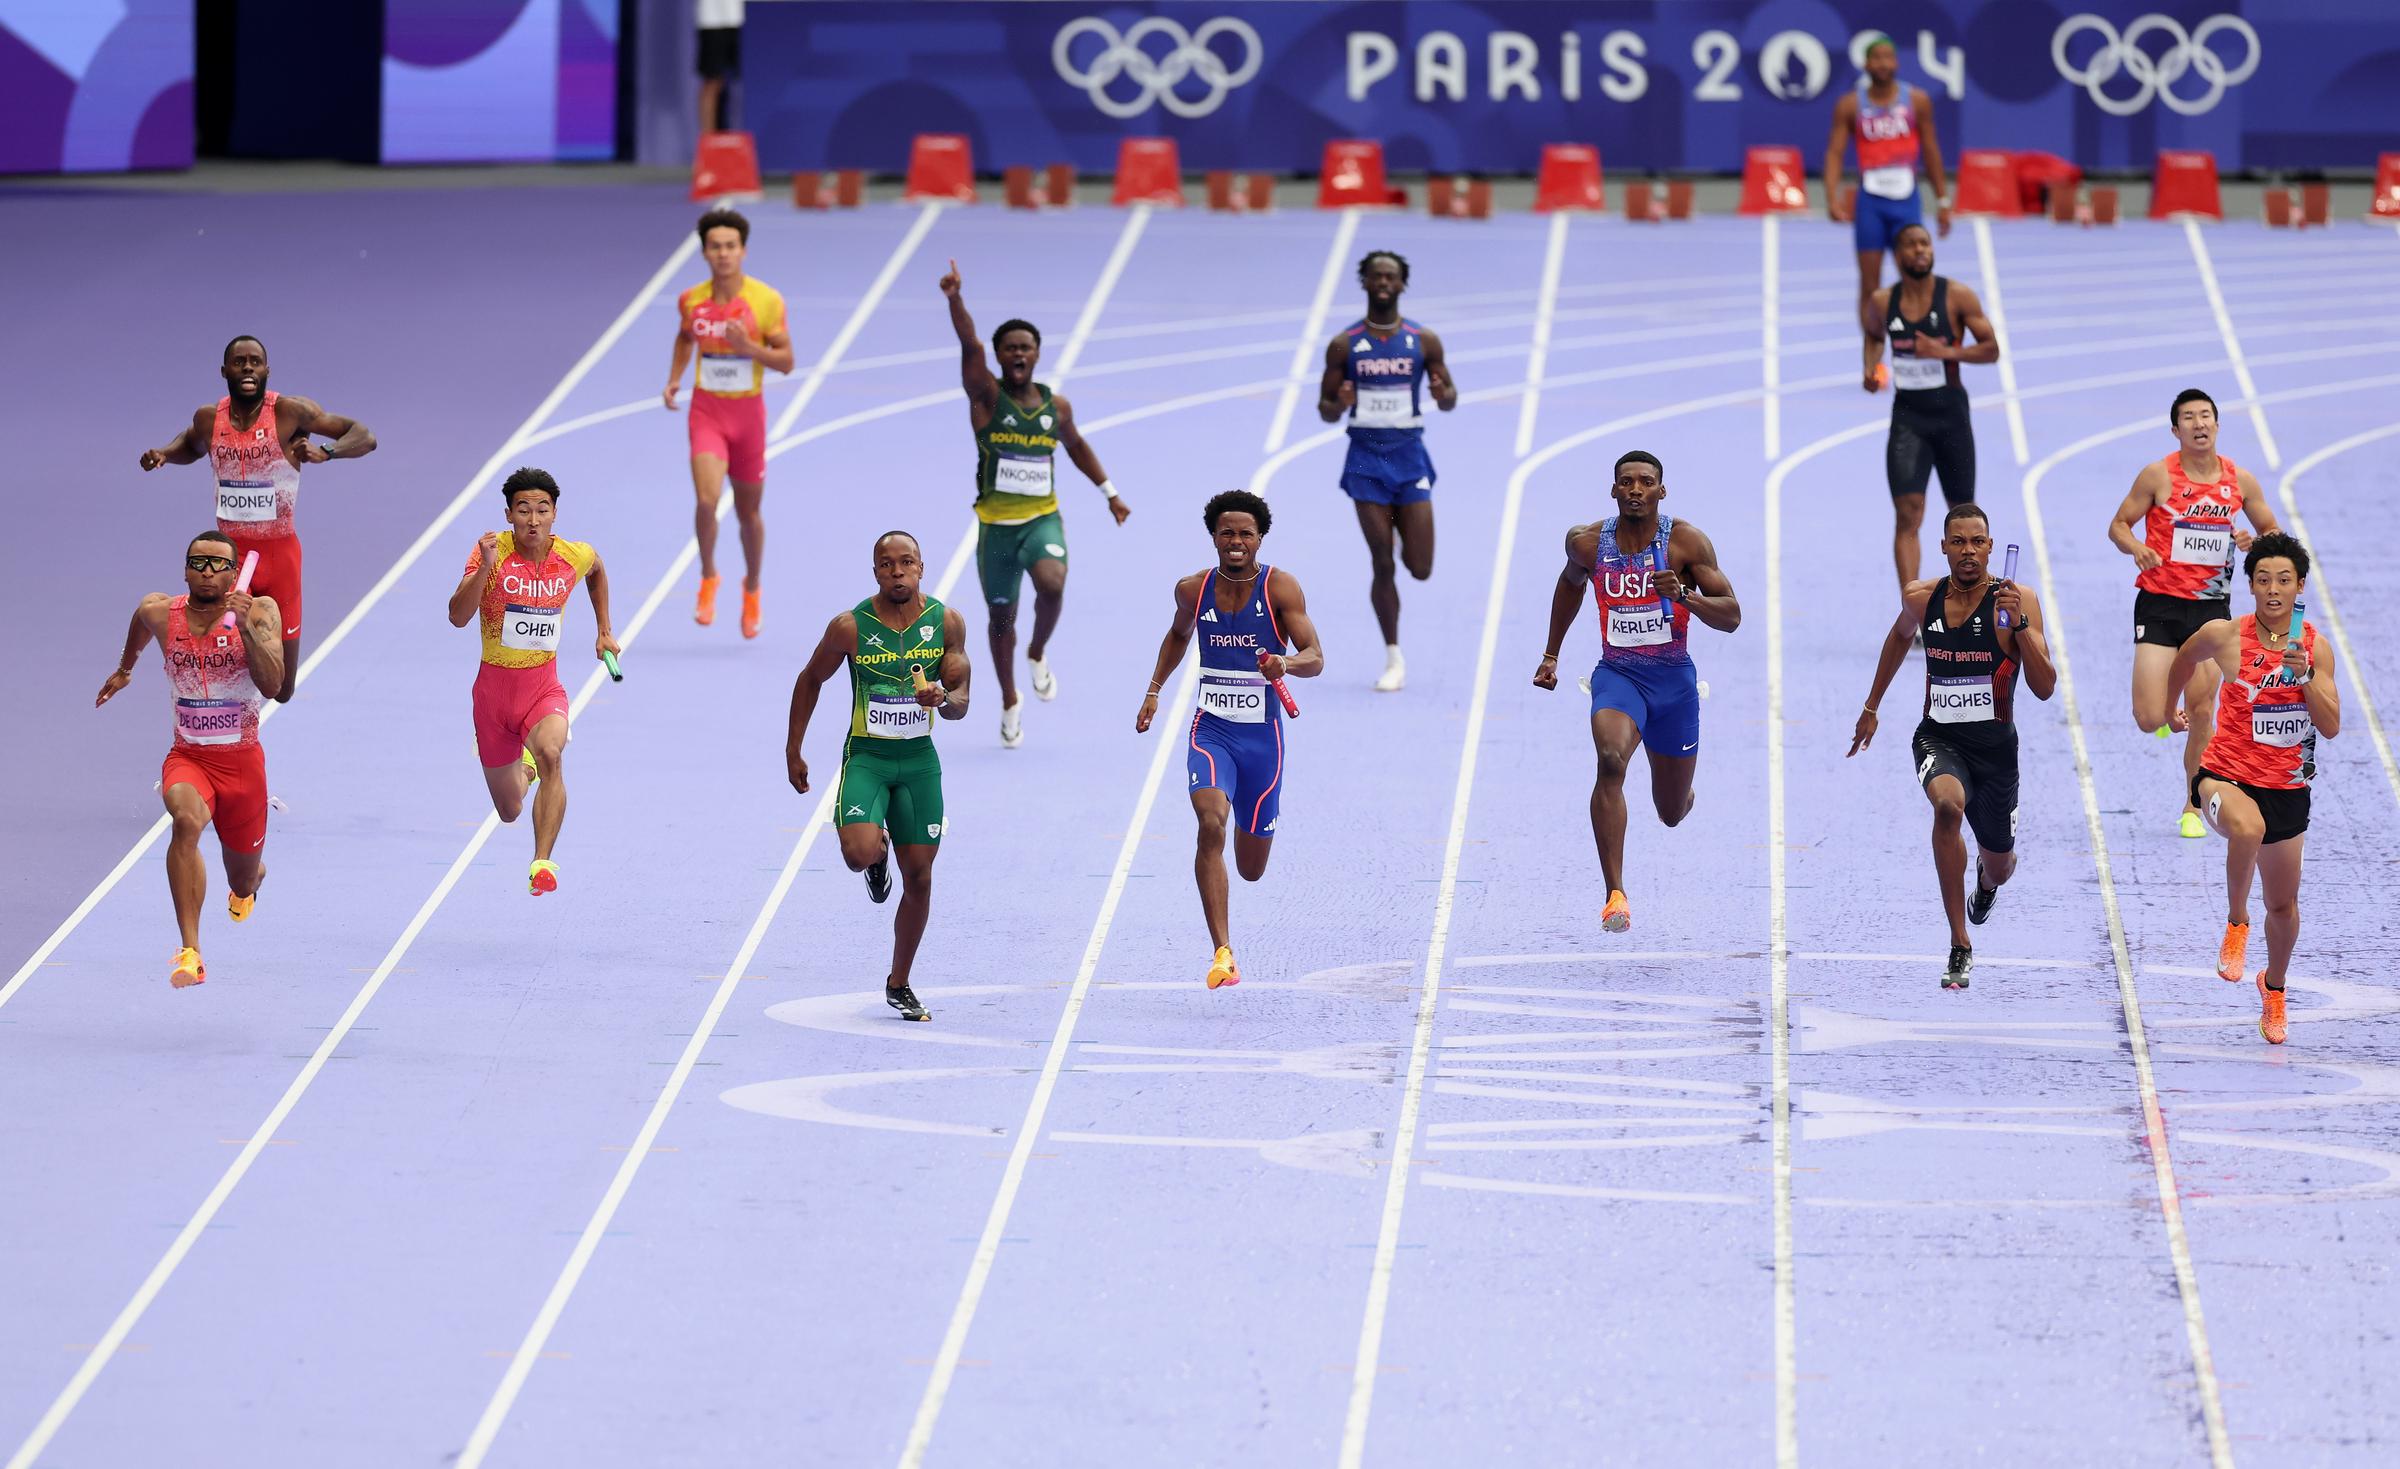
x,y
720,59
1892,124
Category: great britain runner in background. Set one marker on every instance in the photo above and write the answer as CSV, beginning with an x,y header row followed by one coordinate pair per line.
x,y
2276,695
1892,124
1379,370
222,647
256,439
1020,426
1254,629
737,324
1927,318
1650,575
1978,633
2177,523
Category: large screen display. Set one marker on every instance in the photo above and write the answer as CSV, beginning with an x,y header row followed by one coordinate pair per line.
x,y
95,85
489,81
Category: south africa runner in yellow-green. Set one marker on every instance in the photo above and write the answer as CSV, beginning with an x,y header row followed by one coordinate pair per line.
x,y
908,662
1020,425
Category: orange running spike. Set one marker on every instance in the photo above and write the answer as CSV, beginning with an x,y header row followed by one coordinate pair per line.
x,y
188,969
1618,915
706,613
2270,1012
749,614
2231,953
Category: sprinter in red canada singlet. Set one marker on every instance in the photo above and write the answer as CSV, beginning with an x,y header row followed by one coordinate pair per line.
x,y
222,647
257,440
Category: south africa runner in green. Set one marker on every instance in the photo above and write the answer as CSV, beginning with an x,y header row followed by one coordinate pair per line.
x,y
908,662
1020,426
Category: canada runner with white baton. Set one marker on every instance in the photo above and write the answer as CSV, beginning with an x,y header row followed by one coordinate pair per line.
x,y
889,795
1254,631
1978,635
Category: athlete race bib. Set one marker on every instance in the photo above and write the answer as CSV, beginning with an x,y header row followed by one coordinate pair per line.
x,y
1385,408
1918,373
1961,700
532,629
2281,726
722,372
208,721
1639,625
1234,699
245,500
1896,182
897,717
2203,543
1028,477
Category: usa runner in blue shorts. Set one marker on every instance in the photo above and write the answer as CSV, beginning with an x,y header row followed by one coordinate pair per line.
x,y
1650,575
1377,371
1254,631
1891,123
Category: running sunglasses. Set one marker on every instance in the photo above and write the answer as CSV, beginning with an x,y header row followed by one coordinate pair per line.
x,y
208,565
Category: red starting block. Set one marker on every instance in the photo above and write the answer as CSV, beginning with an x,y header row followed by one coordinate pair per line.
x,y
1149,171
1353,176
1016,187
2185,183
2316,205
2387,188
1774,181
1458,198
2276,204
2104,206
812,189
940,166
1570,179
726,167
2063,203
1987,184
1240,193
1639,207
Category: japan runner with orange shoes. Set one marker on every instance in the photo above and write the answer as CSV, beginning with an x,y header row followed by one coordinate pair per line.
x,y
737,325
518,580
223,648
2276,696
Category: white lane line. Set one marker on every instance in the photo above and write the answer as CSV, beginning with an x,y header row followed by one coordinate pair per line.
x,y
2154,1126
1366,1365
1779,962
2322,594
2233,344
509,447
1539,362
840,345
587,1243
1771,348
1312,338
1998,316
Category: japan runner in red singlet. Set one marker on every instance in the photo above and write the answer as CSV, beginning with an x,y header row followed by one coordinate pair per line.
x,y
257,440
737,324
2277,696
2177,523
518,581
222,647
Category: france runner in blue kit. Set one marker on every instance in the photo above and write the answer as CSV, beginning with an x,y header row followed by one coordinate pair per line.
x,y
1892,124
1650,576
1377,370
1234,762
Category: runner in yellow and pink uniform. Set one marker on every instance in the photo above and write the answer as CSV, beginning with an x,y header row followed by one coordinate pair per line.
x,y
222,647
257,440
518,581
738,325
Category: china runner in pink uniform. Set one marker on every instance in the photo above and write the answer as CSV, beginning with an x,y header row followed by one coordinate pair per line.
x,y
256,440
216,771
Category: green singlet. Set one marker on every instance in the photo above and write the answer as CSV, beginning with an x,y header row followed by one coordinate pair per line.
x,y
1016,461
891,775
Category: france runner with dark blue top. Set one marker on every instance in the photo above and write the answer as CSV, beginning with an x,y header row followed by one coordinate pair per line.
x,y
1650,576
1379,371
1246,616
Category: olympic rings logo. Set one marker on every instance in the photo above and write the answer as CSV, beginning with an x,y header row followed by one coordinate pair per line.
x,y
1157,77
2155,76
